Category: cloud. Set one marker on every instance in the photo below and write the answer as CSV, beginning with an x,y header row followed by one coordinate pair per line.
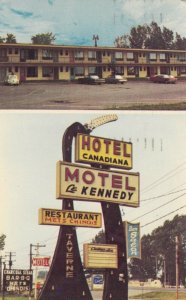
x,y
24,14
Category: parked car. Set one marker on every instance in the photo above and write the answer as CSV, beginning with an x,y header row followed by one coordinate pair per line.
x,y
115,79
163,78
11,79
91,79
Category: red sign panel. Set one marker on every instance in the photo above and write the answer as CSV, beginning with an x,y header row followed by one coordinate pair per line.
x,y
41,261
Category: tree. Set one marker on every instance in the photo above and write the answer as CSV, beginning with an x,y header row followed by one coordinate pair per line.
x,y
122,41
180,43
2,241
99,238
148,37
10,39
43,38
158,252
2,39
138,36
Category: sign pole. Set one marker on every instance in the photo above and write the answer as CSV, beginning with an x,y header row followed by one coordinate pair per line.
x,y
66,279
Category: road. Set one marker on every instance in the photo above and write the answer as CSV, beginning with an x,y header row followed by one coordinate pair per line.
x,y
71,96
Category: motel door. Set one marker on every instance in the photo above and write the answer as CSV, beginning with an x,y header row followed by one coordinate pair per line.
x,y
2,74
56,73
22,74
99,71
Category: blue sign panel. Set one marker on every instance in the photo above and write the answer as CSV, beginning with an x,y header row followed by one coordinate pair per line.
x,y
98,279
133,240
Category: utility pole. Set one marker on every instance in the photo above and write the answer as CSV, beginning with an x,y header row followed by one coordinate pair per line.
x,y
177,267
10,261
37,246
1,269
164,266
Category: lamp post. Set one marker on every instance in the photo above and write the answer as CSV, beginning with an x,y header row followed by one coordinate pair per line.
x,y
95,38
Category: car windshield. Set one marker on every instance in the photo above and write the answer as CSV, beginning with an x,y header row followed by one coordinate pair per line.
x,y
94,77
12,77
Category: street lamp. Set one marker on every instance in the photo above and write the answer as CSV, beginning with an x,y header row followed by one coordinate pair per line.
x,y
95,38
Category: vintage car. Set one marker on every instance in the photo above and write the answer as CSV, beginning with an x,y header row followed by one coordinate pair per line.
x,y
11,79
91,79
115,79
163,78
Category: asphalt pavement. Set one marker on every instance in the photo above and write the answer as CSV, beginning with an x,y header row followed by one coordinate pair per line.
x,y
73,96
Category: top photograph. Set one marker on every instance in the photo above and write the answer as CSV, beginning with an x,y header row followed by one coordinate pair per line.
x,y
93,55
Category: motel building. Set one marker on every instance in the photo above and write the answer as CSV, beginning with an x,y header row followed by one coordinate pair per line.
x,y
59,62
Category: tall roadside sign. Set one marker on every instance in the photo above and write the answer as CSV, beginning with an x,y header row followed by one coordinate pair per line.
x,y
107,179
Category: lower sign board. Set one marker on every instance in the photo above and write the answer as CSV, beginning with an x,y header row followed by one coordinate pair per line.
x,y
17,280
100,256
81,183
48,216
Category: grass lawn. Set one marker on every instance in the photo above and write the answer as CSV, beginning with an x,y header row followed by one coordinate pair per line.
x,y
161,296
6,297
160,106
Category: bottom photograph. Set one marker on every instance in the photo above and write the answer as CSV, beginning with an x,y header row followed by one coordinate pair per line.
x,y
92,205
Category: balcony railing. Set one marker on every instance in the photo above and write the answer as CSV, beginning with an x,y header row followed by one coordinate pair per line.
x,y
72,60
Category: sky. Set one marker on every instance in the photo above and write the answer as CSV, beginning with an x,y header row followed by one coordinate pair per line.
x,y
74,22
30,146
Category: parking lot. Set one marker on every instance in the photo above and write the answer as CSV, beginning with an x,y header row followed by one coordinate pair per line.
x,y
73,96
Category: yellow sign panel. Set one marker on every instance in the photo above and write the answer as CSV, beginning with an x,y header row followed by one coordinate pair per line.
x,y
81,183
48,216
92,149
100,256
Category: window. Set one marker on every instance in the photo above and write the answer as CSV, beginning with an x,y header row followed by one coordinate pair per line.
x,y
61,52
152,56
79,55
162,56
32,72
91,55
47,54
119,55
91,70
181,57
31,54
183,70
61,69
130,56
78,71
130,71
10,50
16,51
119,70
10,69
66,69
16,69
66,52
47,71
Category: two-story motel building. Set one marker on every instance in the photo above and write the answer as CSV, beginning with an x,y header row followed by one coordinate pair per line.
x,y
59,62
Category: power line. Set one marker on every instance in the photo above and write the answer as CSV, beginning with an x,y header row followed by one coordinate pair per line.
x,y
162,177
163,216
163,195
159,207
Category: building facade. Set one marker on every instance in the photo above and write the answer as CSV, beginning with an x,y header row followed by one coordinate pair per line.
x,y
57,62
